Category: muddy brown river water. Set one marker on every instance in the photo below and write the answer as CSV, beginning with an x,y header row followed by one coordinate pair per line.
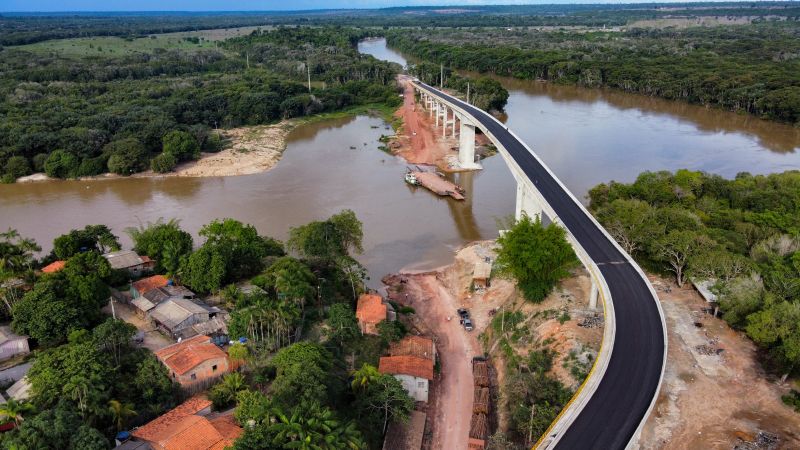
x,y
585,136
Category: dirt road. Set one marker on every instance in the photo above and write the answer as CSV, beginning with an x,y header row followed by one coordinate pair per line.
x,y
455,348
419,143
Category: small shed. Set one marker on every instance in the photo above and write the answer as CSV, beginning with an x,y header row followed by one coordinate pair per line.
x,y
139,288
370,311
481,274
12,344
130,261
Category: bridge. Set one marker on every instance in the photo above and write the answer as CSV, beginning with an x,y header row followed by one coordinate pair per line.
x,y
610,408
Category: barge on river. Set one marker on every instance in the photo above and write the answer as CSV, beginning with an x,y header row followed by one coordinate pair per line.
x,y
435,183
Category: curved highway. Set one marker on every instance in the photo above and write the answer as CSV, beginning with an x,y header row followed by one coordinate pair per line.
x,y
630,384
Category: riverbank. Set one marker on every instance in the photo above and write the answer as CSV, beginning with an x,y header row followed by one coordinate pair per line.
x,y
249,150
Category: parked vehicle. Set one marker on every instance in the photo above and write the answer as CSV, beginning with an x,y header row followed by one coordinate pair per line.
x,y
464,319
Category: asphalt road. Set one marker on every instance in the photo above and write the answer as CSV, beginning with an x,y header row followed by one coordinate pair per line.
x,y
620,403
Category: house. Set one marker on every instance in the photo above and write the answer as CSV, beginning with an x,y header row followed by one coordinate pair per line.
x,y
12,344
480,275
194,360
411,361
370,311
129,260
20,390
175,316
140,287
406,436
54,267
190,426
147,301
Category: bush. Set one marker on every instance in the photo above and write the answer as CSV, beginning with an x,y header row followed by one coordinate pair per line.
x,y
127,156
17,166
163,163
38,162
182,145
61,164
91,167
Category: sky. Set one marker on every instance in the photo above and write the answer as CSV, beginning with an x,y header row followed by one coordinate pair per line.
x,y
246,5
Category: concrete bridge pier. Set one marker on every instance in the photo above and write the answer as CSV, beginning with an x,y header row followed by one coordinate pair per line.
x,y
438,112
527,203
466,145
445,114
593,295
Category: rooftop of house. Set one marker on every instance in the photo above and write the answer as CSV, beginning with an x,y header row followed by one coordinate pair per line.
x,y
54,266
406,436
482,271
6,334
187,354
146,284
371,308
184,429
124,258
158,426
418,346
174,311
159,294
407,365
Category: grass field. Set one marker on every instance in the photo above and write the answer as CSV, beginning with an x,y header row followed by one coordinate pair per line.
x,y
117,46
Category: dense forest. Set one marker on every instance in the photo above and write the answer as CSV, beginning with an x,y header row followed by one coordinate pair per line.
x,y
748,68
743,234
73,117
89,380
18,29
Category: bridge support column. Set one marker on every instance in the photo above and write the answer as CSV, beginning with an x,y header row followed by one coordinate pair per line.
x,y
438,112
445,113
455,116
527,204
593,296
466,146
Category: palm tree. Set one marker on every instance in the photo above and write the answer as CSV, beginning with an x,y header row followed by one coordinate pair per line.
x,y
364,376
120,412
314,427
14,410
230,386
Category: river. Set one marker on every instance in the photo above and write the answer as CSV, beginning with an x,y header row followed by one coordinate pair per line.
x,y
585,136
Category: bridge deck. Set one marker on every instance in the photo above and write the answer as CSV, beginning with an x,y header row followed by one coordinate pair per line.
x,y
630,384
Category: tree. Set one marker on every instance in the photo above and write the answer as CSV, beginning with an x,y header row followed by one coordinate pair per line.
x,y
364,376
120,413
15,411
61,164
17,166
115,337
204,270
329,239
227,390
384,400
301,373
238,352
291,280
163,163
153,384
311,427
253,408
740,297
677,248
126,156
719,264
181,145
778,327
97,238
632,223
165,242
77,372
45,314
342,325
60,427
537,257
16,261
390,331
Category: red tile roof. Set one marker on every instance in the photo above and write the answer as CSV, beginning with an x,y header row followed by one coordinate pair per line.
x,y
54,267
145,284
162,426
418,346
407,365
370,309
187,354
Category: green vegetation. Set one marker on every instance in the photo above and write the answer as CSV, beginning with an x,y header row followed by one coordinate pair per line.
x,y
740,233
85,115
538,257
746,68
